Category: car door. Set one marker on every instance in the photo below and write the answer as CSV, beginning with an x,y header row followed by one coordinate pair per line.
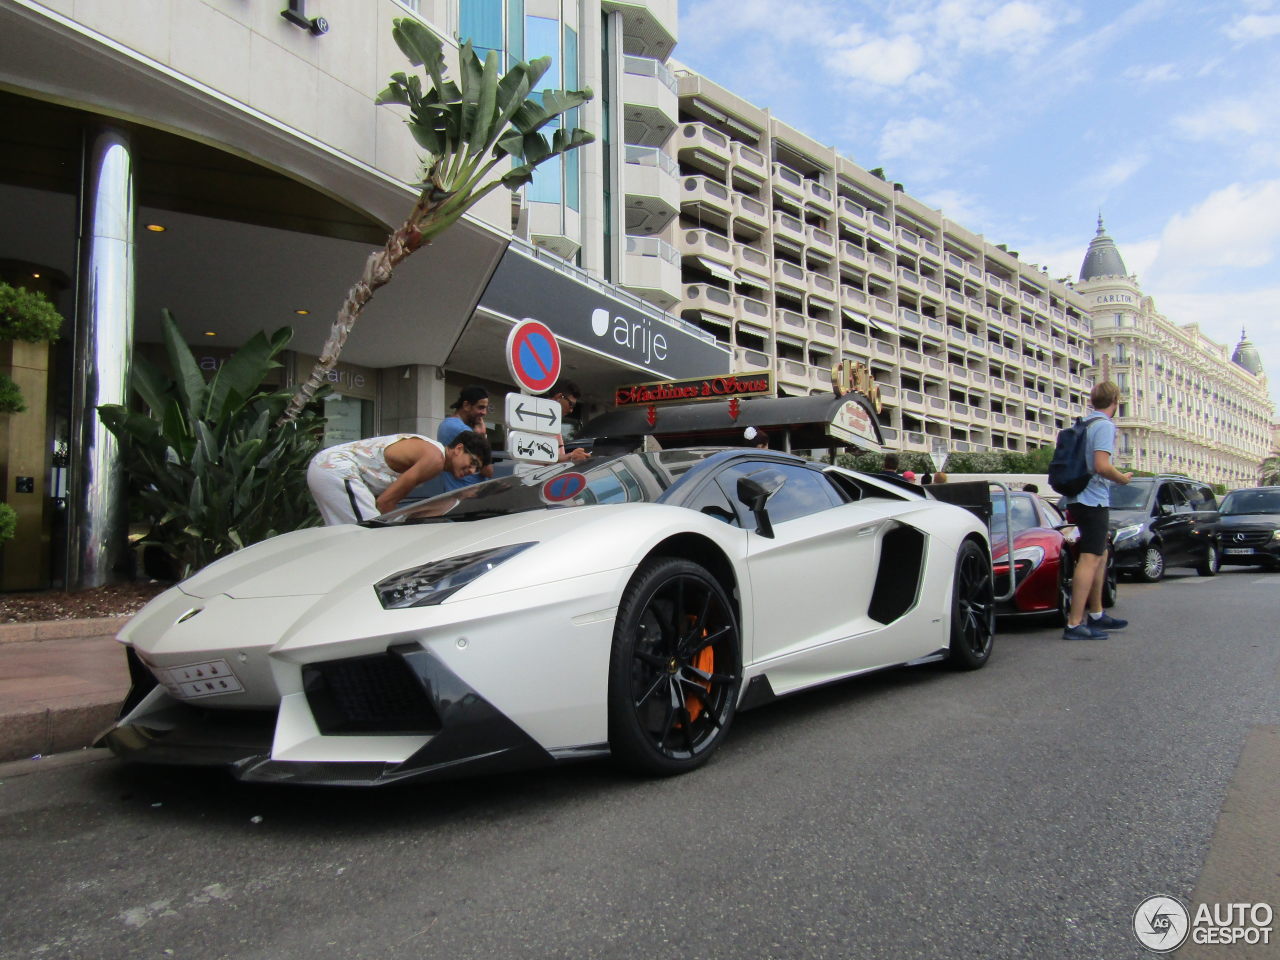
x,y
1172,522
811,581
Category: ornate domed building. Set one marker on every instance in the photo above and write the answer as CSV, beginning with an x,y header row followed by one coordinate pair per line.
x,y
1187,404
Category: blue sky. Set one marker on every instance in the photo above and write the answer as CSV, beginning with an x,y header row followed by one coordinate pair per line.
x,y
1022,119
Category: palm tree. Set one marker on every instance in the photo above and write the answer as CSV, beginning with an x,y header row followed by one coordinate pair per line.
x,y
466,132
1271,471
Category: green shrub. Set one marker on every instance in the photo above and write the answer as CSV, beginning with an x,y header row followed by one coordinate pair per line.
x,y
8,522
27,315
10,396
210,471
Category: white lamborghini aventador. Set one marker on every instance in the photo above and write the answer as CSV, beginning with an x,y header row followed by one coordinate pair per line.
x,y
626,606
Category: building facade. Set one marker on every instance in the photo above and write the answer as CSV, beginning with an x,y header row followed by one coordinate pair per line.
x,y
1188,404
797,258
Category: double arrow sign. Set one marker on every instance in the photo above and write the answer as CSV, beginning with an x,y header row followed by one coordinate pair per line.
x,y
534,428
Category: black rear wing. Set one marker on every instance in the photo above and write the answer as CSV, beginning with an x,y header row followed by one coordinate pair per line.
x,y
973,495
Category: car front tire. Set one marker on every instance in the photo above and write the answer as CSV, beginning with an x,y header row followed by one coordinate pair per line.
x,y
1212,562
1061,616
1152,569
675,669
973,619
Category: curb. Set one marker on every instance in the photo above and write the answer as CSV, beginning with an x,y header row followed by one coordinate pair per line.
x,y
61,725
63,629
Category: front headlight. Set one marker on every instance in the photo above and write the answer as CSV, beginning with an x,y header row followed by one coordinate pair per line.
x,y
1124,533
431,583
1033,556
1275,534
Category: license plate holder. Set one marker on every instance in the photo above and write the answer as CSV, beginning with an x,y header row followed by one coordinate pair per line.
x,y
192,681
1238,551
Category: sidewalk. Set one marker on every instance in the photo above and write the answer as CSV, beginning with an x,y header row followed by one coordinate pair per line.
x,y
61,684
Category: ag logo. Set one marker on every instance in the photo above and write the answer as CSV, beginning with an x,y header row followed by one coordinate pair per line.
x,y
1161,923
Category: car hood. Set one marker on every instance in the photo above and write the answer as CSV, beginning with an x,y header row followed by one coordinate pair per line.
x,y
318,560
1249,521
1123,518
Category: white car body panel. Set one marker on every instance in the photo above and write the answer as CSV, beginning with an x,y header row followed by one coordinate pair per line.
x,y
533,636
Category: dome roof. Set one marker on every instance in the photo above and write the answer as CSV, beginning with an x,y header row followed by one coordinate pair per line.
x,y
1246,355
1103,258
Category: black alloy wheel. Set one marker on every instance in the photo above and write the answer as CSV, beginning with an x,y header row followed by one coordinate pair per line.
x,y
1152,569
973,619
1212,562
675,669
1111,583
1061,616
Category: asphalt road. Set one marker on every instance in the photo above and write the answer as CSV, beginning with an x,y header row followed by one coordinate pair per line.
x,y
1020,811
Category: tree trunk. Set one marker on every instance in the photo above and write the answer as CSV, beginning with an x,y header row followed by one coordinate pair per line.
x,y
377,271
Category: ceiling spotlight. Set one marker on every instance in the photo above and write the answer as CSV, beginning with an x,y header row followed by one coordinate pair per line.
x,y
157,227
211,333
302,312
35,276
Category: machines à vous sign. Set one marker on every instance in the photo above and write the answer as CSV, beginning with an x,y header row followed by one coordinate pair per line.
x,y
757,383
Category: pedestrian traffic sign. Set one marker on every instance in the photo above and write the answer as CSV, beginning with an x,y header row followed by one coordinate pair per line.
x,y
532,447
564,487
533,356
533,414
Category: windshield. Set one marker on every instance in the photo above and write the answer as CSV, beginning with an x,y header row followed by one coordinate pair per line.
x,y
1131,496
632,478
1240,502
1022,514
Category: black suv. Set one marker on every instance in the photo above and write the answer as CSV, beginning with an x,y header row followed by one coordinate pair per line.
x,y
1164,521
1250,528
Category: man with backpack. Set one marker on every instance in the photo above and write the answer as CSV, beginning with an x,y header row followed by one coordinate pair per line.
x,y
1089,510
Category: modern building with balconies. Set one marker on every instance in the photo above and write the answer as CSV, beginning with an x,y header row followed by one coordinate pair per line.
x,y
973,348
1187,404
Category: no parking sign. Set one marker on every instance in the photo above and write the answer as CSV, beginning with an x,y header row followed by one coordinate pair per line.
x,y
564,487
533,356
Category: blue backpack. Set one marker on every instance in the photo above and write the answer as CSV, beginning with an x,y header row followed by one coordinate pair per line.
x,y
1069,470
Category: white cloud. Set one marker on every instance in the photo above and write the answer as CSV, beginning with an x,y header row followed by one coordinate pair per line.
x,y
1253,27
1223,119
1112,176
886,62
1160,73
1235,228
904,137
963,208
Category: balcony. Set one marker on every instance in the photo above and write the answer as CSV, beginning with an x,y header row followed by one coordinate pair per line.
x,y
703,147
852,253
913,400
818,198
754,312
882,309
881,267
930,249
908,278
820,240
787,276
747,359
821,332
908,319
852,212
853,298
651,269
751,213
880,225
706,198
886,350
958,374
822,287
793,373
788,183
705,245
650,102
788,228
750,168
652,185
752,266
708,299
912,360
855,342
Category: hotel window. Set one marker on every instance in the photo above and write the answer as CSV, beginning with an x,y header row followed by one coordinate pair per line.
x,y
482,22
556,180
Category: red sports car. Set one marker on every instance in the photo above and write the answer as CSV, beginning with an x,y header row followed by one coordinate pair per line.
x,y
1045,546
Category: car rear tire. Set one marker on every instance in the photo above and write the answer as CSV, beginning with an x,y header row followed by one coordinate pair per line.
x,y
973,618
1152,569
1061,616
1111,584
675,669
1212,562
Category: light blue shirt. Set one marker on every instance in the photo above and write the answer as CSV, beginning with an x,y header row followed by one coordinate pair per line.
x,y
1100,434
446,433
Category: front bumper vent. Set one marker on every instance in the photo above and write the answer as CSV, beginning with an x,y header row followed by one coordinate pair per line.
x,y
378,694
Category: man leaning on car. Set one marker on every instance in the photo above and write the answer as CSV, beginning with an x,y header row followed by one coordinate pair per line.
x,y
1089,510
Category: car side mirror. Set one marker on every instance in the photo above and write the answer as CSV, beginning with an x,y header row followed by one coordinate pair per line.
x,y
755,495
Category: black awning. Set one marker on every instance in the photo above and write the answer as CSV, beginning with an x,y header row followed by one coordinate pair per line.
x,y
809,423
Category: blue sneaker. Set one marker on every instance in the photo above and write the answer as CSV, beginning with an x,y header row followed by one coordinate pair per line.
x,y
1083,631
1108,622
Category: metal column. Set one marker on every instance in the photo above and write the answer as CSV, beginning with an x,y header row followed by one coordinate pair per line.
x,y
97,525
